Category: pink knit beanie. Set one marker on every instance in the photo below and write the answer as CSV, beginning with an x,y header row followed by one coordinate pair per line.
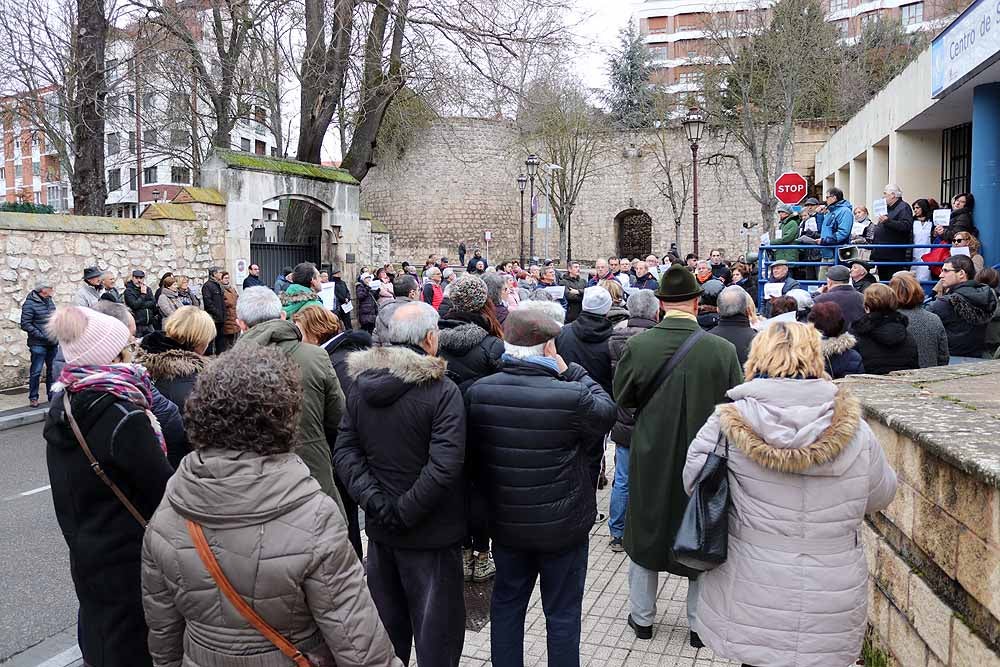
x,y
87,337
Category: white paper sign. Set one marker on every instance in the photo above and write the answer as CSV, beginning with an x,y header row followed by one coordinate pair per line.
x,y
772,290
327,296
556,292
765,239
375,285
960,250
879,208
347,307
942,217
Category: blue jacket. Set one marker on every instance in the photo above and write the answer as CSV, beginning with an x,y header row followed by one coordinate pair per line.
x,y
35,313
837,223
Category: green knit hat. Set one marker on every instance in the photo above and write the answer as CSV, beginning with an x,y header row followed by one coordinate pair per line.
x,y
297,297
678,284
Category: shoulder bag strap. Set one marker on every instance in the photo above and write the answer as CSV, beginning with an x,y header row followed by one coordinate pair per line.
x,y
669,367
252,617
95,466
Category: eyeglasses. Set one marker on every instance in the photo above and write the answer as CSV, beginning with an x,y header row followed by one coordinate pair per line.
x,y
960,239
944,270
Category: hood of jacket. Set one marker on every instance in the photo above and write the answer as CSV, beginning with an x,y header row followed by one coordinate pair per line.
x,y
617,314
884,328
843,204
273,332
165,359
169,292
460,337
383,375
796,426
351,341
226,488
593,328
838,344
974,302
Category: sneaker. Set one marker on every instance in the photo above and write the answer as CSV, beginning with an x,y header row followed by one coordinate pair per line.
x,y
483,568
616,545
467,563
695,640
641,631
34,402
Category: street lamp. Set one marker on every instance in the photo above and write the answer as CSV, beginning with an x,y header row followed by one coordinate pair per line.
x,y
522,181
694,125
531,164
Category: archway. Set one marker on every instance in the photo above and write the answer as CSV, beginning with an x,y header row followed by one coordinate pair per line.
x,y
634,233
290,232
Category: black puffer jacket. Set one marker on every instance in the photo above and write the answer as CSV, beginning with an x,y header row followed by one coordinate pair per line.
x,y
215,303
898,229
961,221
841,357
367,306
536,436
574,301
143,306
621,433
403,435
585,342
35,313
965,311
104,540
471,352
339,348
174,371
884,343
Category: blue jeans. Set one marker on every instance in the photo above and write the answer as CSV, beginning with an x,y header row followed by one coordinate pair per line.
x,y
40,354
619,494
563,576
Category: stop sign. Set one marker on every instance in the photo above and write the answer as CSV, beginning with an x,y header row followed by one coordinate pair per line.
x,y
790,188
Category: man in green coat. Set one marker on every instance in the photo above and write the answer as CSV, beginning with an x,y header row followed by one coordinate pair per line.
x,y
788,233
677,409
262,320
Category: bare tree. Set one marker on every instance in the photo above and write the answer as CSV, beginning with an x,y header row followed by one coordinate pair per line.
x,y
672,179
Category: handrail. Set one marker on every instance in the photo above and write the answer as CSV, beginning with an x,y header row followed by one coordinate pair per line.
x,y
764,261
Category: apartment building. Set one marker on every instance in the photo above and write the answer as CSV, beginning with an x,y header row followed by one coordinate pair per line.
x,y
673,29
30,170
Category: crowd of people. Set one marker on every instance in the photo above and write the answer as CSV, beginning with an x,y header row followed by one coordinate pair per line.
x,y
203,446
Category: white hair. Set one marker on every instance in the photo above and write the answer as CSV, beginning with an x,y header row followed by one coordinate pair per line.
x,y
520,352
257,305
732,301
411,322
643,303
894,189
700,262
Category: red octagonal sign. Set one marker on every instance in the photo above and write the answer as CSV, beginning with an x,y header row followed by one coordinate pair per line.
x,y
790,188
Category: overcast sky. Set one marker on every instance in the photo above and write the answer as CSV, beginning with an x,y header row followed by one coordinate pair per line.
x,y
598,33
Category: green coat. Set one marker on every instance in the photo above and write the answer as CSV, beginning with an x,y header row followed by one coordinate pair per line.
x,y
322,398
788,233
668,424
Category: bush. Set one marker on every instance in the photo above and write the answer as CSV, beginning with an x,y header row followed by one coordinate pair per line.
x,y
25,207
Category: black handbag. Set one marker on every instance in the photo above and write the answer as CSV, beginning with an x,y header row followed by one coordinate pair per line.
x,y
702,540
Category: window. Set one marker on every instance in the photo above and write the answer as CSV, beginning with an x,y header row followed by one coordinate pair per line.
x,y
690,78
130,99
131,179
3,174
18,172
259,114
112,143
659,54
52,196
131,142
36,168
912,14
245,145
112,106
147,100
839,5
110,68
869,19
260,148
178,138
956,160
149,175
180,175
842,27
149,138
274,151
38,197
114,179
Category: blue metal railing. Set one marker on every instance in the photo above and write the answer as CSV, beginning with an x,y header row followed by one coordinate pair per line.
x,y
765,260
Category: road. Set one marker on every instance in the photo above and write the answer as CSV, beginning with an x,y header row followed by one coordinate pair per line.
x,y
37,598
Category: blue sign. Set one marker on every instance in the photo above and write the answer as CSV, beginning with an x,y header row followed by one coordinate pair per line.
x,y
966,47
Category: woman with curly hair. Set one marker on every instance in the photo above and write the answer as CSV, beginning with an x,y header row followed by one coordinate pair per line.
x,y
279,540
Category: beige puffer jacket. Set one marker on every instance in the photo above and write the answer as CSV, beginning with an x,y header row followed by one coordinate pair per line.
x,y
804,469
282,543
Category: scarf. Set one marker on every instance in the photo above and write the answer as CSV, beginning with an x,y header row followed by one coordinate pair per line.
x,y
127,382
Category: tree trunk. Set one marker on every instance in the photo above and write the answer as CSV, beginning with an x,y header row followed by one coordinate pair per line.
x,y
767,216
677,236
563,249
87,110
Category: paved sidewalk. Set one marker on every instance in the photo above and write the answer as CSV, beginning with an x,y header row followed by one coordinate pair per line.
x,y
606,639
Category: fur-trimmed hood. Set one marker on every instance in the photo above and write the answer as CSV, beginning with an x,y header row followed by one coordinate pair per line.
x,y
461,337
838,344
172,364
796,426
384,374
973,302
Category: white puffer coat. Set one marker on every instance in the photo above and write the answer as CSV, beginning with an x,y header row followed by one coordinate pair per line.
x,y
804,469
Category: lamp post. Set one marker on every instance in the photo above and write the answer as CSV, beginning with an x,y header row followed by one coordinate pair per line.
x,y
522,181
531,164
694,125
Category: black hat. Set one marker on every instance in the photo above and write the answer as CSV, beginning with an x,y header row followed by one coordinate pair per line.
x,y
812,201
138,273
856,260
91,272
678,284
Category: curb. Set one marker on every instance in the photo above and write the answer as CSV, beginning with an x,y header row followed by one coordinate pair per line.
x,y
11,420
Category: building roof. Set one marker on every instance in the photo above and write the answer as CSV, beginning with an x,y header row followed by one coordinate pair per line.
x,y
192,195
253,162
162,211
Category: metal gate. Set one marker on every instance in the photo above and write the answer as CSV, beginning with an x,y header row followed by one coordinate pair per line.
x,y
273,257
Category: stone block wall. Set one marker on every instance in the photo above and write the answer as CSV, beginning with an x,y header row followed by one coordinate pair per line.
x,y
934,553
58,247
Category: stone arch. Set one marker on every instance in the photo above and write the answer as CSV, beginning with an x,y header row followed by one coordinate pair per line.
x,y
633,233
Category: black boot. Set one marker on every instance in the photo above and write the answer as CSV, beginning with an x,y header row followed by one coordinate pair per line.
x,y
641,631
695,640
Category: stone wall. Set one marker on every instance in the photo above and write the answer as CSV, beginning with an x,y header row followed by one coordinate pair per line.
x,y
934,554
457,180
58,247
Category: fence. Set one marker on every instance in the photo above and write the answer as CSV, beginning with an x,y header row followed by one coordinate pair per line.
x,y
765,261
